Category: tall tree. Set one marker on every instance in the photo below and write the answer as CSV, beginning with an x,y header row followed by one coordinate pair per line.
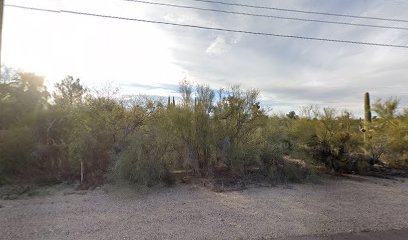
x,y
69,92
22,96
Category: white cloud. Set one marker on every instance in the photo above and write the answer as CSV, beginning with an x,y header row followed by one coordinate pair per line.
x,y
289,72
217,47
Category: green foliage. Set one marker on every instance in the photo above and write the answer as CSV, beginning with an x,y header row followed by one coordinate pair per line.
x,y
69,92
390,134
16,146
98,128
23,100
386,109
328,138
362,167
143,140
147,160
240,120
292,115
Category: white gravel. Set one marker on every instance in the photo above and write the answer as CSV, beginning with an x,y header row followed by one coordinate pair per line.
x,y
191,212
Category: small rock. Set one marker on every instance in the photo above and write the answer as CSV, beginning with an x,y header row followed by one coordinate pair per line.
x,y
186,180
75,192
12,197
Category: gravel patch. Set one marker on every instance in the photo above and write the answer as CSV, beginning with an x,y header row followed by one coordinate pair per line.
x,y
192,212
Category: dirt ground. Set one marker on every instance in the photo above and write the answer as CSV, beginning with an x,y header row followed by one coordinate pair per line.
x,y
333,206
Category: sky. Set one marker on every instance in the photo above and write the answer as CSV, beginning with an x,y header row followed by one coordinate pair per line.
x,y
151,59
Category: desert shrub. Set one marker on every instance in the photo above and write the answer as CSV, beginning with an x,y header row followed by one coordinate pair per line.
x,y
99,133
240,120
335,138
362,167
300,133
16,146
294,172
143,139
272,161
280,169
147,160
276,133
389,137
400,162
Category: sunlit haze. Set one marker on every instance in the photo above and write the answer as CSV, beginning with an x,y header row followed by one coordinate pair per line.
x,y
151,59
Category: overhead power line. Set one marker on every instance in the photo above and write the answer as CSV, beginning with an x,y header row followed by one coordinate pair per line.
x,y
301,11
33,8
266,16
206,28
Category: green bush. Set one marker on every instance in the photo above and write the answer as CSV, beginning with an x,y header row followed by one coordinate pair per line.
x,y
362,167
147,160
16,147
143,139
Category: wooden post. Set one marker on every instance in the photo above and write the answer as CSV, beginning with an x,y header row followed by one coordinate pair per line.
x,y
82,171
1,27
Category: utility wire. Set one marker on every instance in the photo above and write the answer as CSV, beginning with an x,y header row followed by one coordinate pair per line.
x,y
265,16
33,8
301,11
207,28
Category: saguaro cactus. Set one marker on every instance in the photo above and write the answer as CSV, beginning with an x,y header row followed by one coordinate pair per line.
x,y
367,108
367,115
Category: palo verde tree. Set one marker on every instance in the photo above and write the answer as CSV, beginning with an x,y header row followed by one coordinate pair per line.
x,y
69,92
23,101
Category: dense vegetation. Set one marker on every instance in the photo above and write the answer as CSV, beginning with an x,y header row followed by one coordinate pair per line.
x,y
74,134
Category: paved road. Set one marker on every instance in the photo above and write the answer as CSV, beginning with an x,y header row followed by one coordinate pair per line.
x,y
385,235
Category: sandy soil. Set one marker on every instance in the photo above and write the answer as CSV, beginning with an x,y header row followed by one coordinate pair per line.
x,y
192,212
